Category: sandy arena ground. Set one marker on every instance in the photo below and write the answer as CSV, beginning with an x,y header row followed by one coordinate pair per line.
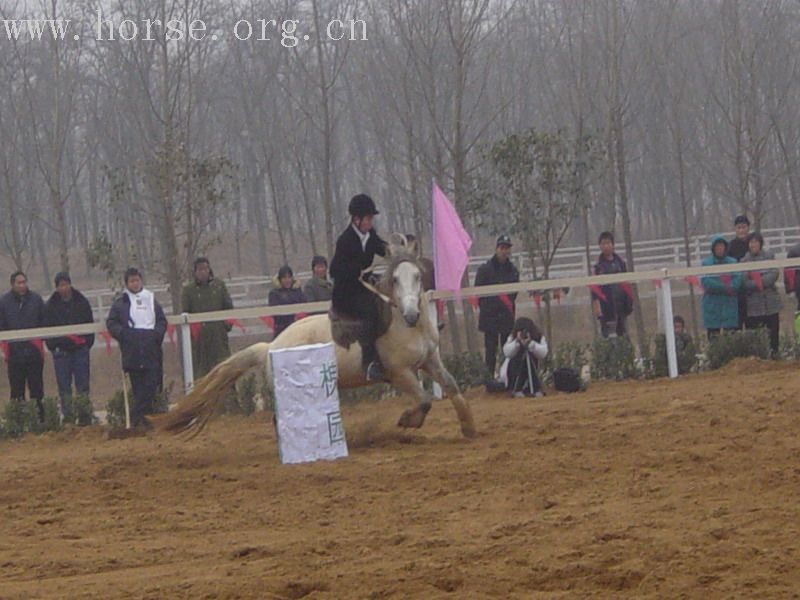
x,y
685,489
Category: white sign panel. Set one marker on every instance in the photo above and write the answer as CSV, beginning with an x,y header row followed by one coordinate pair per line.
x,y
307,411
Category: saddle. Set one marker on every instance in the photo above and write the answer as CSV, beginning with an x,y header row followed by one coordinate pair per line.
x,y
347,330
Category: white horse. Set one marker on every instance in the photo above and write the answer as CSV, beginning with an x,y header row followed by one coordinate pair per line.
x,y
410,343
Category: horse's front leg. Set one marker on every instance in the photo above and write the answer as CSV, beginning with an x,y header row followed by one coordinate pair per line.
x,y
407,382
436,369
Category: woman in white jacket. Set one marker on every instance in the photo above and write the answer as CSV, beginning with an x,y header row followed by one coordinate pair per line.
x,y
523,350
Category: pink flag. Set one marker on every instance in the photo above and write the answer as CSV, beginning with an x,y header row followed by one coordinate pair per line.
x,y
451,243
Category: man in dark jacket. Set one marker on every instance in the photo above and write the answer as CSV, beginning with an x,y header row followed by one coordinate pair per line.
x,y
67,306
319,288
612,303
137,322
791,276
210,340
737,248
286,291
355,250
497,313
21,308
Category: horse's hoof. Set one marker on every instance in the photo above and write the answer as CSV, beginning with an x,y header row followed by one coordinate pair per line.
x,y
411,419
468,431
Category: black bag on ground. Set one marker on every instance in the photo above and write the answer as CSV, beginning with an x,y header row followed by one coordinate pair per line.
x,y
567,380
494,386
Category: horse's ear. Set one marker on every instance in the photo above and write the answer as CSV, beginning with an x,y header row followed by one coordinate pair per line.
x,y
413,248
396,244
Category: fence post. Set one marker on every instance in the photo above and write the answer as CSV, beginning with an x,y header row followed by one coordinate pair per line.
x,y
186,351
669,328
434,318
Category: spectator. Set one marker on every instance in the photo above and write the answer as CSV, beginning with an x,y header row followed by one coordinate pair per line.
x,y
738,248
496,319
319,288
67,306
136,320
286,291
210,340
21,308
611,303
791,280
684,346
356,248
523,350
763,301
720,292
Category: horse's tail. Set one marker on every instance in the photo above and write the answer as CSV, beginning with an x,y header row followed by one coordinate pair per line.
x,y
193,411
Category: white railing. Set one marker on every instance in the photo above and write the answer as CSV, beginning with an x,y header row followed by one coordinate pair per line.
x,y
252,290
664,276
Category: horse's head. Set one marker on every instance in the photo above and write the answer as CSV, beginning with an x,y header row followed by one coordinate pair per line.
x,y
403,280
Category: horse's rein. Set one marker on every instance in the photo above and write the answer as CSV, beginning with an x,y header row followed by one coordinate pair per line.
x,y
373,289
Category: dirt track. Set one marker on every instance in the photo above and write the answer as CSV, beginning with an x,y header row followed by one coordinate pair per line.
x,y
656,489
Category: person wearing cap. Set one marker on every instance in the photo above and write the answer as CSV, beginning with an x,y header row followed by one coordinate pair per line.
x,y
286,290
738,248
319,288
612,303
67,306
20,308
356,248
206,293
763,300
497,313
137,321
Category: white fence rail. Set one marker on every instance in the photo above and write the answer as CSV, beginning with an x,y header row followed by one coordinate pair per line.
x,y
665,276
252,290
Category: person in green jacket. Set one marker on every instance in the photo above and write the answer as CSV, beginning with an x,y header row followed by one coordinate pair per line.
x,y
209,340
720,292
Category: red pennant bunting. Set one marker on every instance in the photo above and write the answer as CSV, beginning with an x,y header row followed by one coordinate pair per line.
x,y
300,315
440,310
537,299
473,301
171,333
236,323
6,350
597,291
507,302
195,329
77,340
756,277
628,289
726,279
695,281
557,296
658,284
39,344
107,338
790,275
269,322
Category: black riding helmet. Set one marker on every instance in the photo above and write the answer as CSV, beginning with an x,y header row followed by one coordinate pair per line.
x,y
362,205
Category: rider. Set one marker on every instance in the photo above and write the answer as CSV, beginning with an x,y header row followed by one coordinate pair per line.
x,y
355,249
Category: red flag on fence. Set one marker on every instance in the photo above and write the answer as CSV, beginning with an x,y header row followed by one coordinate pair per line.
x,y
236,323
557,296
695,281
756,277
268,321
195,329
107,338
473,301
6,350
790,275
171,333
507,302
657,283
597,291
440,310
537,300
76,339
300,315
628,289
726,279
